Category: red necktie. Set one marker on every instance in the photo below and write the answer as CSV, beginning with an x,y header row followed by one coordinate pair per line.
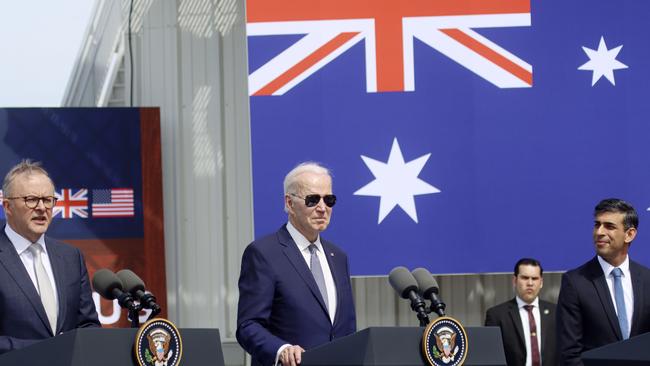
x,y
534,346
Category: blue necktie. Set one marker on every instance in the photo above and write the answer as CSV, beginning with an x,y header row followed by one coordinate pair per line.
x,y
619,296
317,272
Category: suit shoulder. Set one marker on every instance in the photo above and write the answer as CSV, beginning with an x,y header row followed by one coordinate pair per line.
x,y
333,247
583,270
264,245
500,308
61,247
547,304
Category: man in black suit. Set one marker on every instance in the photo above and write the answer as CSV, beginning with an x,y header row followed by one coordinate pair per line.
x,y
527,323
44,288
606,299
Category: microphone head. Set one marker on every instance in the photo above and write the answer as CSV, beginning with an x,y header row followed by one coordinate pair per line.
x,y
105,282
402,281
132,283
426,282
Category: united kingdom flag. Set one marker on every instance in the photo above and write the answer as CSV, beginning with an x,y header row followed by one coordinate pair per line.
x,y
71,203
389,29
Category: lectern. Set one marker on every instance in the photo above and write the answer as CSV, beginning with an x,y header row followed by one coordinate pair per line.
x,y
400,346
110,347
633,351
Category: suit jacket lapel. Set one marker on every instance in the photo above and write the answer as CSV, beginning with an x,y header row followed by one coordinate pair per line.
x,y
546,318
296,259
597,277
58,269
14,265
513,311
637,290
337,275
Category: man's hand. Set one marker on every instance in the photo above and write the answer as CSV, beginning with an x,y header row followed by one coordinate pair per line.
x,y
291,356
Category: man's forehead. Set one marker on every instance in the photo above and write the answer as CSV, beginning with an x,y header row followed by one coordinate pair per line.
x,y
529,270
29,181
615,218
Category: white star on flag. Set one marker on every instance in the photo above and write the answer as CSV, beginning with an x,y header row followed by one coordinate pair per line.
x,y
602,62
396,182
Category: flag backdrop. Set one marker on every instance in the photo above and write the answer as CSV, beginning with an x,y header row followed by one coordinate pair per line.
x,y
105,164
462,135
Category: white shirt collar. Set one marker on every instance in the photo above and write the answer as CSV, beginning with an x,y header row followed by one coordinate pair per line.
x,y
300,239
21,243
607,268
521,303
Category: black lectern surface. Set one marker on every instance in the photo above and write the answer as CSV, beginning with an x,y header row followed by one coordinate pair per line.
x,y
634,351
400,346
109,347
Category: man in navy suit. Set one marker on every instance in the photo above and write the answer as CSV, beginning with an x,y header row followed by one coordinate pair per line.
x,y
607,299
294,287
44,288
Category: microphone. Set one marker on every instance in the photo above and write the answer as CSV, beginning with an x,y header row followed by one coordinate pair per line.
x,y
405,285
107,284
429,289
135,285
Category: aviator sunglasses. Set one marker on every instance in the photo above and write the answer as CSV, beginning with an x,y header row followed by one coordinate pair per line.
x,y
312,200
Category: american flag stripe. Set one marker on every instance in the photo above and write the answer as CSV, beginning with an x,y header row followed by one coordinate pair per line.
x,y
116,202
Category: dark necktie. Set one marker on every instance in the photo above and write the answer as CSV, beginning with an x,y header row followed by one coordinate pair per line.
x,y
619,297
534,346
317,272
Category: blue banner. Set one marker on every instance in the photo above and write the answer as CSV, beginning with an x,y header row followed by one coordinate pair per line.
x,y
461,135
93,157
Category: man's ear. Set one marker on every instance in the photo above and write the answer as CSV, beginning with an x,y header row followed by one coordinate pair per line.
x,y
630,234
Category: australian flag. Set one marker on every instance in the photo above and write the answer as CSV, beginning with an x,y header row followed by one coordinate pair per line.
x,y
462,135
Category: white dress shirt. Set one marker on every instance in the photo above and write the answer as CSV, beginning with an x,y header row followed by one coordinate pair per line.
x,y
21,244
626,280
523,313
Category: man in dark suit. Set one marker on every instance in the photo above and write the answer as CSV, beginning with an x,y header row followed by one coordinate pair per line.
x,y
44,289
294,287
607,299
527,322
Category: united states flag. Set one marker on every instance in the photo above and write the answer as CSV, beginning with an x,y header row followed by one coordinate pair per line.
x,y
115,202
71,203
2,210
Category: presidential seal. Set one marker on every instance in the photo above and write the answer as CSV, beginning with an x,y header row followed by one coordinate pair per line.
x,y
444,342
158,343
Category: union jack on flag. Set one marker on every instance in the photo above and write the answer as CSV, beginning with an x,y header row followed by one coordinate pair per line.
x,y
71,203
389,29
115,202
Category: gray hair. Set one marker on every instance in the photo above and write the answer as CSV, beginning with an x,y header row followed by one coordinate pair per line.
x,y
291,183
27,167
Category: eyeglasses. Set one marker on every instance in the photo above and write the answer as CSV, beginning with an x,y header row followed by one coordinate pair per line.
x,y
32,201
312,200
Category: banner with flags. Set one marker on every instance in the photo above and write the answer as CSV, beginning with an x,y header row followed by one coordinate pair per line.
x,y
106,204
461,135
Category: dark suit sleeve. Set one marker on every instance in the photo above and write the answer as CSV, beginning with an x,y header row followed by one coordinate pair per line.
x,y
490,319
11,343
256,291
87,315
569,324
